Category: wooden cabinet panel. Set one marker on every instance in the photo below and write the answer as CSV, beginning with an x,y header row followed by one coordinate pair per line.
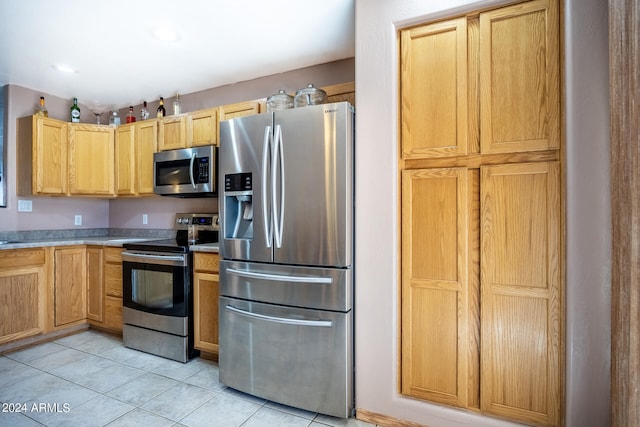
x,y
520,223
113,288
113,313
519,78
146,143
435,295
91,160
70,290
95,284
240,109
341,92
22,294
205,301
202,128
172,133
113,280
125,172
434,109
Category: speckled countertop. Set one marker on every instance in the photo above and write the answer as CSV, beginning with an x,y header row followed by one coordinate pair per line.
x,y
99,241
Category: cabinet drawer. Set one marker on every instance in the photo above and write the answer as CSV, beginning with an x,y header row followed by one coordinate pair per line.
x,y
112,254
205,262
113,280
13,258
113,313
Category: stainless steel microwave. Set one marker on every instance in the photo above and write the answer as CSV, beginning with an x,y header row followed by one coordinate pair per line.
x,y
186,172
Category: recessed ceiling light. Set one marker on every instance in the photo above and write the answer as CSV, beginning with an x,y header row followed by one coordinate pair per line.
x,y
165,34
64,68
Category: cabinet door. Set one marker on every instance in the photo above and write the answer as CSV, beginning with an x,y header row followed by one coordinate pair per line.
x,y
22,294
240,109
205,311
70,290
95,284
50,141
172,133
434,90
521,298
436,305
146,144
91,160
125,160
519,78
202,128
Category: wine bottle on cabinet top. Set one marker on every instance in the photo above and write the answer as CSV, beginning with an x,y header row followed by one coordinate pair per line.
x,y
161,112
75,111
41,110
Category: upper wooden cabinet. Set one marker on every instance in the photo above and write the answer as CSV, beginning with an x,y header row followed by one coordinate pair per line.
x,y
492,78
91,160
172,132
146,143
202,127
42,156
125,166
519,78
240,109
434,109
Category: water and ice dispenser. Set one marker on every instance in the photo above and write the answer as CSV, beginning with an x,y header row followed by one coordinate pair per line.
x,y
238,206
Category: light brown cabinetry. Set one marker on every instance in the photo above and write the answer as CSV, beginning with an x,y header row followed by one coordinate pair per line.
x,y
481,285
205,301
172,132
91,160
95,284
70,285
42,156
146,142
125,171
23,296
239,109
135,144
113,288
202,127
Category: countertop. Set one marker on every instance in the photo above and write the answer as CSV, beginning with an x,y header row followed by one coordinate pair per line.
x,y
99,241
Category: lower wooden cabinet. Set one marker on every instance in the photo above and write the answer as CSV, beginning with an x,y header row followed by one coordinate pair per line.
x,y
481,289
95,283
70,285
113,289
23,296
205,301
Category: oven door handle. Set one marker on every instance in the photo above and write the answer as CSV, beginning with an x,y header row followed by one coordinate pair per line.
x,y
280,277
285,320
164,259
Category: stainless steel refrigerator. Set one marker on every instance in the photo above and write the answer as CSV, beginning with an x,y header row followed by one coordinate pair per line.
x,y
286,246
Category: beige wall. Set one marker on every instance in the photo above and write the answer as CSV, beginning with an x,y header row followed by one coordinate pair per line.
x,y
588,235
51,213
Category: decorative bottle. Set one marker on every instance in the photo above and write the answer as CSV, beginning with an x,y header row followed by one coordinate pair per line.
x,y
144,113
161,112
75,111
114,119
177,107
41,110
131,117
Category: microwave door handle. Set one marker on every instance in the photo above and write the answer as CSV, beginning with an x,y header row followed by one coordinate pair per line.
x,y
193,160
266,146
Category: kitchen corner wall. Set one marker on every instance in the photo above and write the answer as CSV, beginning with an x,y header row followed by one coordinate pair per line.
x,y
57,213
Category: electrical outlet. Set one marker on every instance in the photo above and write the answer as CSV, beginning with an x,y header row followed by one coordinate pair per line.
x,y
25,206
145,219
78,220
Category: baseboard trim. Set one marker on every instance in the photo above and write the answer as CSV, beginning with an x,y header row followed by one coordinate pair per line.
x,y
384,420
38,339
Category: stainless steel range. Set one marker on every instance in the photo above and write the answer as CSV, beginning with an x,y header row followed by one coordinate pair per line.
x,y
158,292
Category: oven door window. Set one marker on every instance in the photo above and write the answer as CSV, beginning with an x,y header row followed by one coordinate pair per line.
x,y
158,289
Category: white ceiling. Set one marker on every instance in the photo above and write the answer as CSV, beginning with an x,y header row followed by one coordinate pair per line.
x,y
118,61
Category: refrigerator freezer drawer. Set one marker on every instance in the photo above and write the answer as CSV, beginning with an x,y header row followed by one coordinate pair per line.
x,y
297,357
310,287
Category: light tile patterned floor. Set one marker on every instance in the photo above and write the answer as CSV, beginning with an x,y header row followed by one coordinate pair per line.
x,y
91,379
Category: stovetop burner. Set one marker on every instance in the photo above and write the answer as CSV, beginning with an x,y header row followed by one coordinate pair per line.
x,y
191,229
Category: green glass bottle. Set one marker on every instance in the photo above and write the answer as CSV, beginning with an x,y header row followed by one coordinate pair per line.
x,y
75,111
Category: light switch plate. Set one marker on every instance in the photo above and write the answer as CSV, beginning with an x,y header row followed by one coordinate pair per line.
x,y
78,220
25,206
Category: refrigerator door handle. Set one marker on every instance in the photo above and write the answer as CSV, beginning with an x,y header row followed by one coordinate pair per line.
x,y
279,277
266,155
296,322
278,165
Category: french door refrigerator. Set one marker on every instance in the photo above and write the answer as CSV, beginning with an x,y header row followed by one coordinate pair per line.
x,y
286,246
